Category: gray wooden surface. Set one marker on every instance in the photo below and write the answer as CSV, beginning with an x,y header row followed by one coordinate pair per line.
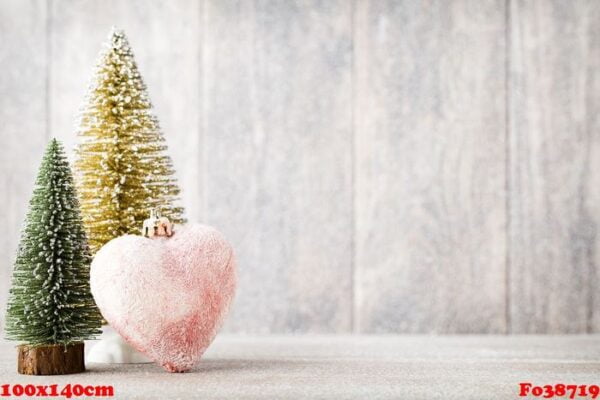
x,y
348,367
430,163
23,119
554,97
278,160
380,166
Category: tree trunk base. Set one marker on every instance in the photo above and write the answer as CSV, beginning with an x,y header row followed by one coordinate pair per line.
x,y
53,359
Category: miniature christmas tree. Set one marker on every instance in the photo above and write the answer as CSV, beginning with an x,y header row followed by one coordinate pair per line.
x,y
50,303
122,166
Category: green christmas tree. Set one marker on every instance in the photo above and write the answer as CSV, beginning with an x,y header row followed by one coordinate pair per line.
x,y
50,300
122,169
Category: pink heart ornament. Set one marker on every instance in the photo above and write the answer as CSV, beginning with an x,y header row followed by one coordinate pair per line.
x,y
166,296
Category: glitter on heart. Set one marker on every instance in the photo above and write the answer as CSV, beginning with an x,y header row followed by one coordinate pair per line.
x,y
166,296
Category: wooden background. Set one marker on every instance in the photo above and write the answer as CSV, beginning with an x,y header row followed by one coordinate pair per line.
x,y
380,166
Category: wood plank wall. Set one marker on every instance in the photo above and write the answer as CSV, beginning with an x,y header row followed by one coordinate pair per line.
x,y
554,147
381,166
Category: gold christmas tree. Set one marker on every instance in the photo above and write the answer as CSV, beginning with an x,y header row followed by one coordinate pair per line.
x,y
122,168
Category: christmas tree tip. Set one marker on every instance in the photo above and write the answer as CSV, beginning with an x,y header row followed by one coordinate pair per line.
x,y
116,31
55,144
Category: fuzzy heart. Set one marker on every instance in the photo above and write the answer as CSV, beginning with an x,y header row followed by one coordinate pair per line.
x,y
167,296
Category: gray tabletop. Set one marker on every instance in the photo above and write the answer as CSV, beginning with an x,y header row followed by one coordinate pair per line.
x,y
348,367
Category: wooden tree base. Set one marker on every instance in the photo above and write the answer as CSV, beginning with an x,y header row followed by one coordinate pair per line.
x,y
53,359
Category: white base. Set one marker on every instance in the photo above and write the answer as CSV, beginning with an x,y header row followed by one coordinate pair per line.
x,y
113,349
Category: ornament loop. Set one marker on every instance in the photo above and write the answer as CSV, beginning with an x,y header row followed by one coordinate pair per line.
x,y
157,225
